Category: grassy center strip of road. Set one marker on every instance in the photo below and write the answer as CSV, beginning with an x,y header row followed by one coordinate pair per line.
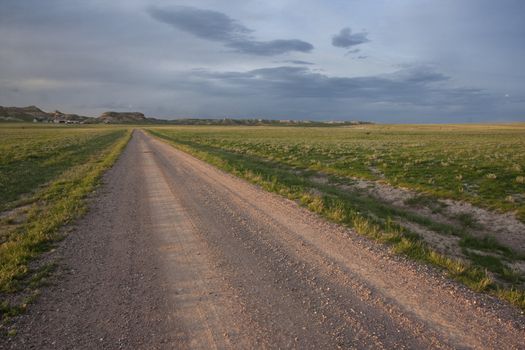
x,y
366,215
31,231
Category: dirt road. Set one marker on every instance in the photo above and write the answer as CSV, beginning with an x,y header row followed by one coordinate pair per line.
x,y
176,254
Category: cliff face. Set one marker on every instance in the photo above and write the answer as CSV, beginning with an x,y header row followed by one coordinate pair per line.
x,y
122,117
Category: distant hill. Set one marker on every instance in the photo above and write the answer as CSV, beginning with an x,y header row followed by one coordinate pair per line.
x,y
23,114
122,117
35,114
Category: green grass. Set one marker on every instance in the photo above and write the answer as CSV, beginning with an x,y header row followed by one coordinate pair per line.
x,y
282,161
467,220
31,156
488,244
447,161
78,157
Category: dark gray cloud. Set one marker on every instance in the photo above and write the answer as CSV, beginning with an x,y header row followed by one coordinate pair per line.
x,y
412,86
216,26
205,24
346,39
300,92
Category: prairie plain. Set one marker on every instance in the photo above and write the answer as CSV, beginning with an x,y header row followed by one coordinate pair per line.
x,y
274,242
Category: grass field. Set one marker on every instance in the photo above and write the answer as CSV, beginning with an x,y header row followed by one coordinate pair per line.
x,y
403,185
45,174
32,156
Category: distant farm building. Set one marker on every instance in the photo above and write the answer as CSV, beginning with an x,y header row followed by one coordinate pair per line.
x,y
39,119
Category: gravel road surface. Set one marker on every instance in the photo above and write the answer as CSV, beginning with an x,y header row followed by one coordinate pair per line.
x,y
175,254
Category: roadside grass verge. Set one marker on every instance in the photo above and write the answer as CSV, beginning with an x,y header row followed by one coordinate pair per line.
x,y
52,206
367,216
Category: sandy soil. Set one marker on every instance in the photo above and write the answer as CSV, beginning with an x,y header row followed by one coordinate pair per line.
x,y
176,254
504,227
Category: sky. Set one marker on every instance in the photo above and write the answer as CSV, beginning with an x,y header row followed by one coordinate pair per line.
x,y
389,61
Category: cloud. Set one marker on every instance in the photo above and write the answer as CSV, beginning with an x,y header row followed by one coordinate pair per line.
x,y
346,39
270,48
417,86
304,93
216,26
205,24
299,62
352,51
